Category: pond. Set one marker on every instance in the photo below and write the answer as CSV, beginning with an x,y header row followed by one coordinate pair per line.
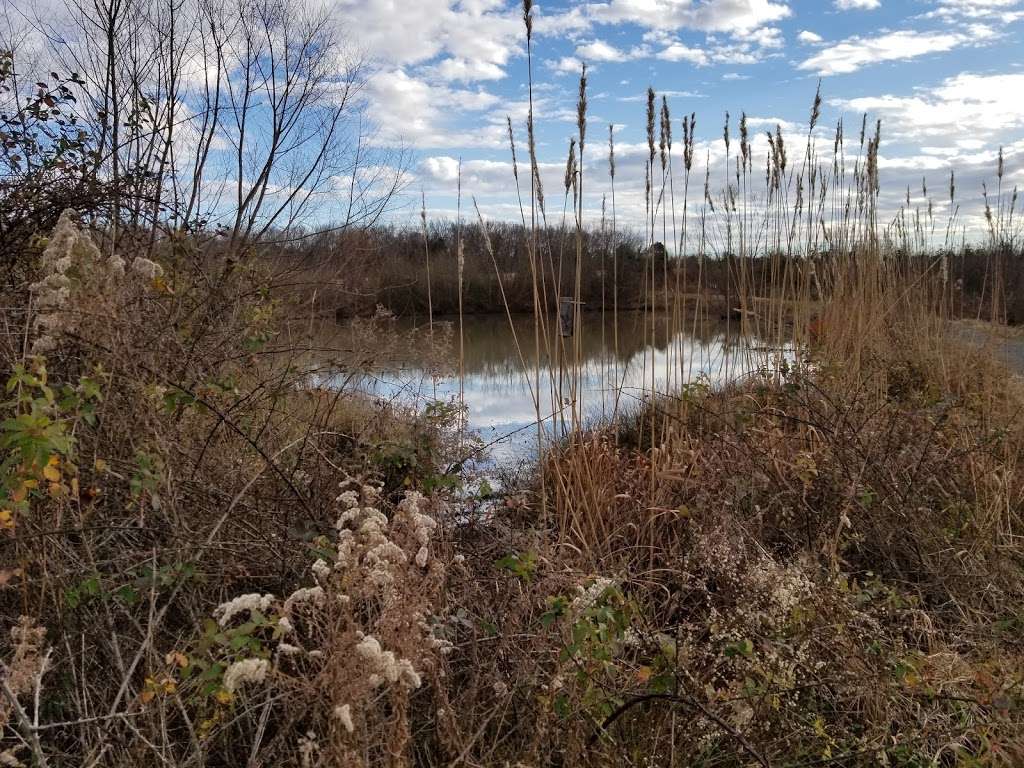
x,y
604,368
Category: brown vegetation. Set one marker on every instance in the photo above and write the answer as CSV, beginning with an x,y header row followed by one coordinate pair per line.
x,y
215,552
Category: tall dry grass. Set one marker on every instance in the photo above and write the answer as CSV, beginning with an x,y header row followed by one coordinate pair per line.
x,y
871,459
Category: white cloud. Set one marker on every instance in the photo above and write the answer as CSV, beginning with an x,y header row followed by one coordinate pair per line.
x,y
746,47
958,125
1004,11
679,52
706,16
983,107
599,50
788,127
445,169
468,70
749,48
710,16
810,38
414,111
642,97
564,23
476,38
565,66
856,52
858,5
764,37
740,54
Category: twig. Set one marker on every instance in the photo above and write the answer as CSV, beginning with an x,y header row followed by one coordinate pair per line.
x,y
27,729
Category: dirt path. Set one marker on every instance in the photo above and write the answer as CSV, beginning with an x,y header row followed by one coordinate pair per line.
x,y
1005,343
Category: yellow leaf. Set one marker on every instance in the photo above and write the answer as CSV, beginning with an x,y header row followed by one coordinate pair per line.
x,y
100,465
205,726
56,489
819,726
161,286
177,658
168,685
51,473
6,520
53,461
223,696
643,674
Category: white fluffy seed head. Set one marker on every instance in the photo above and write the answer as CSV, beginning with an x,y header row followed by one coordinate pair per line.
x,y
240,673
344,715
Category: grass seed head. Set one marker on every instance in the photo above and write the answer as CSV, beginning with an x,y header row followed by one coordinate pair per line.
x,y
650,123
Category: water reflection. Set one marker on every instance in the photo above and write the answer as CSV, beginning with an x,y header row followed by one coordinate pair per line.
x,y
605,368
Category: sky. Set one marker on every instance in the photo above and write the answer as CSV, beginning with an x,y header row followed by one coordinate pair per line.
x,y
945,76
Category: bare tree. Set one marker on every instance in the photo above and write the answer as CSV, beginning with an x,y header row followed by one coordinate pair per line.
x,y
244,117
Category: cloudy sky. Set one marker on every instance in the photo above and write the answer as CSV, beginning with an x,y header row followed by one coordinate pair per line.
x,y
945,76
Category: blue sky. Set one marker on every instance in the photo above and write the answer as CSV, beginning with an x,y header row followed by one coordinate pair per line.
x,y
945,76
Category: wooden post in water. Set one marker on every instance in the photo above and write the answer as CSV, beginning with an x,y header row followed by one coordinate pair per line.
x,y
567,315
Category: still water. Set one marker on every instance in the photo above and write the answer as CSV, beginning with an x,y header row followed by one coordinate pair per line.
x,y
603,369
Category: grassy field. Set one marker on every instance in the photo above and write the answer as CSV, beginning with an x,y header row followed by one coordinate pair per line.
x,y
209,558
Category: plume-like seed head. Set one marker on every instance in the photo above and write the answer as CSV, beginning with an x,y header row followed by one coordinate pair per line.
x,y
662,139
689,131
650,122
512,146
647,187
816,109
581,108
780,148
570,166
611,151
707,178
531,146
538,187
744,140
528,18
667,118
837,146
